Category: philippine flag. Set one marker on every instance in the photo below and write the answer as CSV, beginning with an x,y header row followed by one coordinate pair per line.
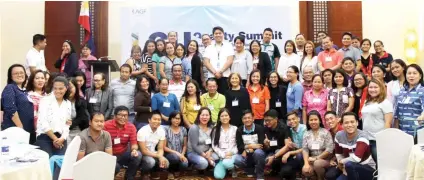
x,y
84,20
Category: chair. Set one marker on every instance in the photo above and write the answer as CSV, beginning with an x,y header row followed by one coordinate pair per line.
x,y
16,135
70,158
393,148
420,136
95,166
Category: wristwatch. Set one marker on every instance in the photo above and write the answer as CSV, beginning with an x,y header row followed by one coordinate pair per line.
x,y
247,150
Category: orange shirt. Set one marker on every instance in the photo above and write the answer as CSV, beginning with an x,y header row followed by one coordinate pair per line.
x,y
258,108
330,58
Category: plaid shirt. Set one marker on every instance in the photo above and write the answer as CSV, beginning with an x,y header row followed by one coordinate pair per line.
x,y
408,106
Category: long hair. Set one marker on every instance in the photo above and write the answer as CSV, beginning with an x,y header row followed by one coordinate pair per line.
x,y
382,68
73,81
261,81
63,80
312,113
305,53
197,121
49,86
83,87
293,44
184,49
279,82
138,87
383,94
163,52
71,46
106,85
196,85
296,70
345,78
250,46
196,53
216,131
418,68
354,88
9,74
146,44
401,63
30,85
173,115
135,48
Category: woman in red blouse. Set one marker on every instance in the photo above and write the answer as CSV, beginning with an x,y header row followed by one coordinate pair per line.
x,y
259,96
36,91
315,99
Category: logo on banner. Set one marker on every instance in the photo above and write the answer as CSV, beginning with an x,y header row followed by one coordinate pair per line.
x,y
139,11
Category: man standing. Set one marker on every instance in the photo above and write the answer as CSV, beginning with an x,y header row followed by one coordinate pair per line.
x,y
321,35
270,48
176,84
151,139
206,41
35,56
95,138
218,59
300,43
213,100
124,135
330,58
348,50
123,91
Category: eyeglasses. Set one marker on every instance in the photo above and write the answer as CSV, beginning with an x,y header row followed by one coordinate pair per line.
x,y
357,80
18,74
122,115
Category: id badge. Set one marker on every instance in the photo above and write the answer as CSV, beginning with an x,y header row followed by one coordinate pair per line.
x,y
273,143
328,59
255,100
196,107
166,104
316,100
211,107
93,100
235,103
278,104
208,141
315,146
117,141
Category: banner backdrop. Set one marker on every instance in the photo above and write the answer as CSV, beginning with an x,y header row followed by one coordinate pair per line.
x,y
139,24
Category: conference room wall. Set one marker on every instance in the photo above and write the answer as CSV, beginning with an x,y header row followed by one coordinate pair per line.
x,y
19,21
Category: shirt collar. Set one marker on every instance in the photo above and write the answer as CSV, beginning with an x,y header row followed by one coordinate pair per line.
x,y
173,82
385,55
335,89
214,98
406,86
300,127
347,49
89,134
249,131
116,126
332,50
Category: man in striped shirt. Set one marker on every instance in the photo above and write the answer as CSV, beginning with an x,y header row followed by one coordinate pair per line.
x,y
354,160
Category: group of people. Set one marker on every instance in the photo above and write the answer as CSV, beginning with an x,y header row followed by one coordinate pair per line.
x,y
310,110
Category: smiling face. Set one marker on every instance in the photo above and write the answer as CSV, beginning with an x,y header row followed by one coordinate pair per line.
x,y
172,37
358,81
308,72
170,49
204,117
289,48
80,81
218,35
366,46
378,47
191,88
338,79
192,47
413,76
122,117
374,90
273,78
66,48
144,84
18,75
256,77
163,85
300,40
206,40
348,66
224,117
247,119
346,40
39,80
317,83
176,121
327,44
377,73
309,48
293,120
239,45
255,47
397,69
350,124
291,74
235,80
151,48
98,81
212,87
72,90
160,46
314,122
267,36
59,89
331,121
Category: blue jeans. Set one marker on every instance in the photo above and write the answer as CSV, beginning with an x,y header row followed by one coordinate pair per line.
x,y
175,164
199,162
149,163
356,171
46,144
222,167
253,160
130,161
332,173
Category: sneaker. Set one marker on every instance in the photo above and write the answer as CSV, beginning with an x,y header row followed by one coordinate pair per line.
x,y
170,176
250,175
234,173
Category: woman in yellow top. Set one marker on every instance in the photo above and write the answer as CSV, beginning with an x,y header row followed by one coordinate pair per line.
x,y
190,103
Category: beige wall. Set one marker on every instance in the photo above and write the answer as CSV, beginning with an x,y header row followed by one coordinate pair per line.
x,y
19,21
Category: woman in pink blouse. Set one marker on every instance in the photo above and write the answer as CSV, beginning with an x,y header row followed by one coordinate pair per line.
x,y
35,89
315,99
86,55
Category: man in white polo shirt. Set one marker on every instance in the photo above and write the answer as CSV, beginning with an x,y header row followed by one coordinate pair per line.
x,y
176,84
151,139
35,56
218,58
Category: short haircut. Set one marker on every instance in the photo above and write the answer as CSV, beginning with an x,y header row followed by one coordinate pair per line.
x,y
327,70
211,80
197,121
322,32
127,66
347,33
173,115
66,83
37,38
349,114
355,37
292,113
217,28
313,113
156,112
206,35
420,71
121,108
9,74
268,29
162,79
241,38
247,111
96,114
383,94
330,112
172,68
271,113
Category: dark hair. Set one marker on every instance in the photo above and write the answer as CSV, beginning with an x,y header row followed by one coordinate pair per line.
x,y
216,131
231,76
292,43
211,80
261,81
246,111
86,45
196,85
312,113
197,47
268,29
241,38
162,79
271,113
279,82
126,65
296,70
355,37
197,121
73,81
347,33
156,112
204,35
327,70
418,68
318,75
138,82
330,112
292,113
305,54
121,108
182,46
30,85
380,67
49,86
349,59
37,38
365,40
103,75
146,44
96,114
319,32
160,53
63,80
401,63
172,68
174,114
71,46
217,28
166,44
354,88
345,78
349,114
84,86
381,42
9,74
250,46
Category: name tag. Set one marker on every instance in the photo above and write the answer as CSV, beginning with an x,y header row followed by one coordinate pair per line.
x,y
273,143
210,107
278,104
407,100
93,100
225,146
345,99
316,100
126,135
315,146
166,104
328,59
196,107
255,100
235,103
289,90
255,61
208,141
117,141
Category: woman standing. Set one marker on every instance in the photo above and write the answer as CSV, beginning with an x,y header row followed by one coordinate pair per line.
x,y
81,79
190,103
54,119
360,90
377,113
35,89
79,113
294,91
261,60
409,104
340,98
200,152
224,144
398,67
366,63
86,56
315,99
259,96
327,75
160,51
193,60
237,99
317,147
348,65
309,58
142,102
135,62
290,58
99,96
172,38
18,109
166,62
379,72
307,75
383,58
243,61
278,93
181,53
146,63
176,145
68,61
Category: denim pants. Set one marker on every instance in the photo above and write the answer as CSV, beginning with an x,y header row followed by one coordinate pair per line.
x,y
255,160
223,165
46,144
125,159
175,164
356,171
149,163
199,162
